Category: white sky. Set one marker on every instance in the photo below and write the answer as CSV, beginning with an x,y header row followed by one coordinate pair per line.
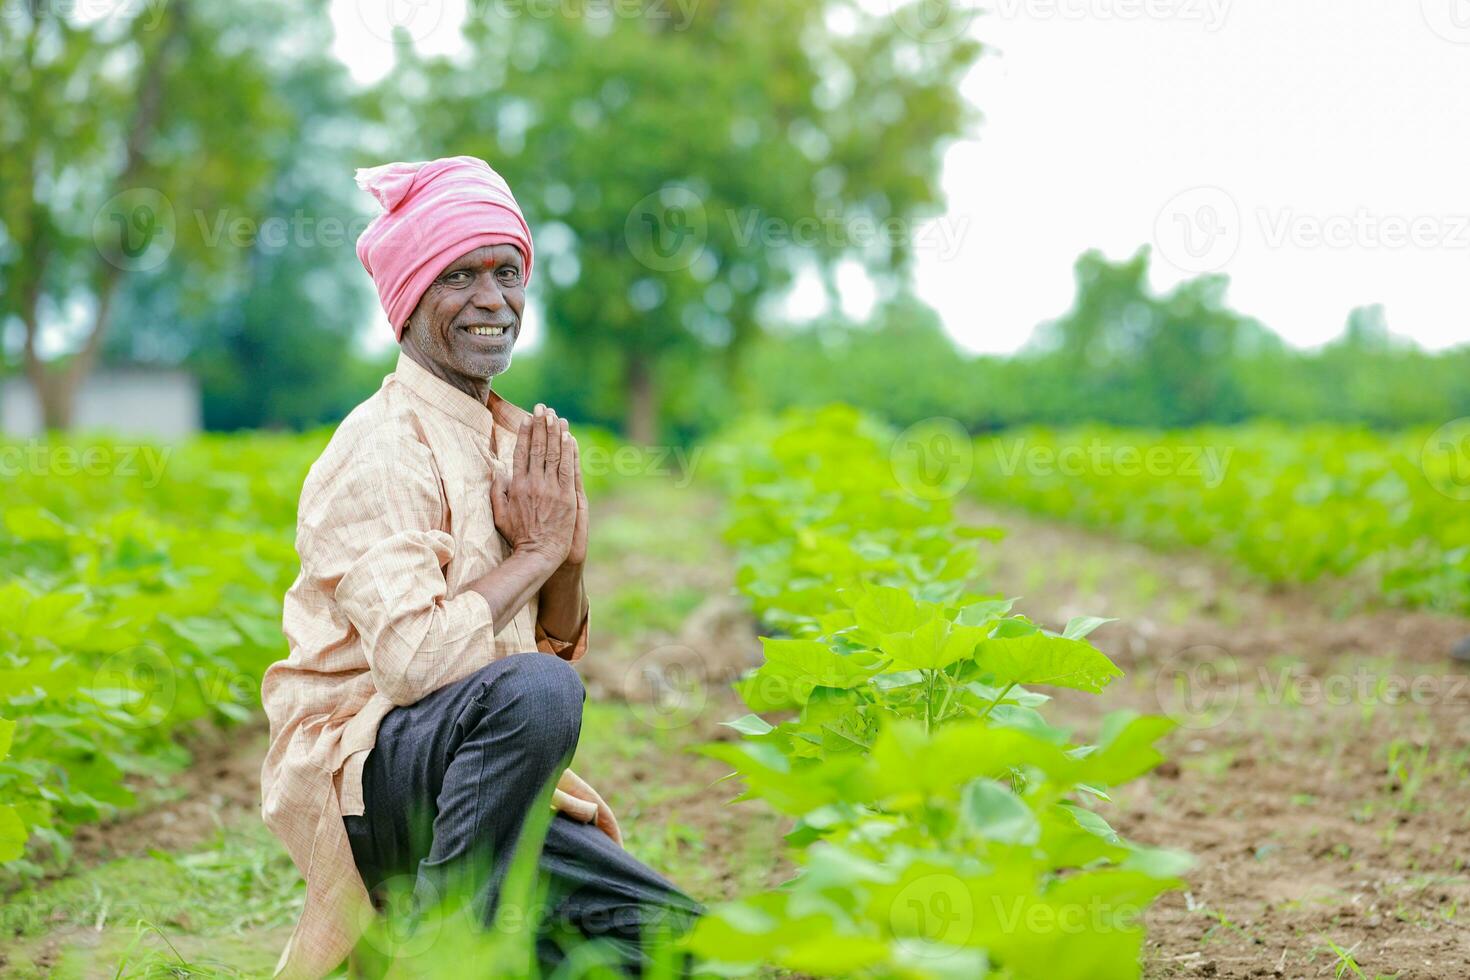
x,y
1316,151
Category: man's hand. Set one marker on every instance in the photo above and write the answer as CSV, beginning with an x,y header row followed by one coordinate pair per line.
x,y
580,801
536,508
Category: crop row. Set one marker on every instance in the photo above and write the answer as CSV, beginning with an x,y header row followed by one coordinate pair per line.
x,y
142,598
944,824
1292,505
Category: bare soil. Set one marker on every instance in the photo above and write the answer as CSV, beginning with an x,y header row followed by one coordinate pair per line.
x,y
1321,773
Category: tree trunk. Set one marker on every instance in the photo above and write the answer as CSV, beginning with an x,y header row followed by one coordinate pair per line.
x,y
641,423
56,392
56,388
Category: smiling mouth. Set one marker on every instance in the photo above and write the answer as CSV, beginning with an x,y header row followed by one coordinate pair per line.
x,y
486,331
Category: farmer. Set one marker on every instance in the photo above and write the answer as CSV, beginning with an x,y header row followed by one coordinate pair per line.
x,y
429,695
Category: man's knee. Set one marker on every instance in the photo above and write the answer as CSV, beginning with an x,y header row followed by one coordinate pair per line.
x,y
547,692
547,679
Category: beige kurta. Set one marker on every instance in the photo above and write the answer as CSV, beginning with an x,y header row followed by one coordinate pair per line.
x,y
394,523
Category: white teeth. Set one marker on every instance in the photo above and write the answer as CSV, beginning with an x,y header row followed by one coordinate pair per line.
x,y
487,331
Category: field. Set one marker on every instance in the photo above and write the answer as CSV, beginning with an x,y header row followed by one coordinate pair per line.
x,y
1280,784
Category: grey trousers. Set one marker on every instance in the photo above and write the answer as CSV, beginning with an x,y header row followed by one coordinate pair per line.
x,y
447,788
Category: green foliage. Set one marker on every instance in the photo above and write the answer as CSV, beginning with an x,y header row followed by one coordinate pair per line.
x,y
143,595
680,167
1291,505
112,126
940,825
1122,355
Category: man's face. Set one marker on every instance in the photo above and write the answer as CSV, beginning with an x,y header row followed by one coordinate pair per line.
x,y
470,316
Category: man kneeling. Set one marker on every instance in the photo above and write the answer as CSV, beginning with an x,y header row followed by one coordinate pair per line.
x,y
429,696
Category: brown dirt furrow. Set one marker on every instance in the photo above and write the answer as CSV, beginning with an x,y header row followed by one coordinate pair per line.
x,y
1320,773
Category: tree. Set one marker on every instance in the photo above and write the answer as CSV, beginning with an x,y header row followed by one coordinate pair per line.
x,y
1123,354
273,343
111,127
679,173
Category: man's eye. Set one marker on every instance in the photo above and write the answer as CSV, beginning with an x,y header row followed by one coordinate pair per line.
x,y
457,278
510,276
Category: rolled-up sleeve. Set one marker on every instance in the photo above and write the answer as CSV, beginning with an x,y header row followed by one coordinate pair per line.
x,y
571,650
376,527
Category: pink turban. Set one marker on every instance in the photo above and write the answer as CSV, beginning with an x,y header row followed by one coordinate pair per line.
x,y
434,213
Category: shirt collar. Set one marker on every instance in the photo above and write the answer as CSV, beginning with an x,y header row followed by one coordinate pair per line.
x,y
463,408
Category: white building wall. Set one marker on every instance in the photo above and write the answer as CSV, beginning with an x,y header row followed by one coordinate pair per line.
x,y
153,404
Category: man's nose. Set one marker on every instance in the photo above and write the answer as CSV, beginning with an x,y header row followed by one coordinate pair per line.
x,y
488,294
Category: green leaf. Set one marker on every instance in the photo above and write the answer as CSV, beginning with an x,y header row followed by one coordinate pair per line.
x,y
210,637
883,610
795,668
1159,862
908,766
933,646
997,814
1028,720
1042,659
750,725
1091,822
1079,626
1126,749
980,613
12,834
35,524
